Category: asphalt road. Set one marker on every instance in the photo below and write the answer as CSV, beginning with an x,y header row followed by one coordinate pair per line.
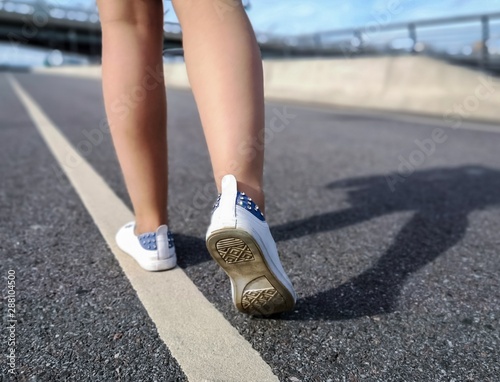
x,y
396,271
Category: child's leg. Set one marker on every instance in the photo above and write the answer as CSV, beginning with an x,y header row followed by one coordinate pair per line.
x,y
134,95
225,72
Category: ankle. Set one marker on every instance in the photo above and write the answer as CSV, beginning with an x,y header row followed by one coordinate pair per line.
x,y
256,193
143,225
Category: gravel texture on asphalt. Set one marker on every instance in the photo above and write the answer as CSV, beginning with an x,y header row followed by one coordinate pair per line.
x,y
394,284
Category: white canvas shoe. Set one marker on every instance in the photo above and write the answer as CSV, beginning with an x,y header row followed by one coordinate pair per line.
x,y
154,251
239,239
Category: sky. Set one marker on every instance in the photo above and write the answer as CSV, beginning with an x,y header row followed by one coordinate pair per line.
x,y
309,16
293,17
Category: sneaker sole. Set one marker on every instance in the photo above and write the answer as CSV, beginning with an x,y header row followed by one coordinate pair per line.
x,y
256,289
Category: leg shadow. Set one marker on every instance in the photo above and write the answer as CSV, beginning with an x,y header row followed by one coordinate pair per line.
x,y
441,200
376,291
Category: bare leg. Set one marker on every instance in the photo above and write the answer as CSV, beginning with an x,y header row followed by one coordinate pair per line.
x,y
225,72
135,101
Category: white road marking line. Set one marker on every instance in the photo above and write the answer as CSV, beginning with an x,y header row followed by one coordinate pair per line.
x,y
206,346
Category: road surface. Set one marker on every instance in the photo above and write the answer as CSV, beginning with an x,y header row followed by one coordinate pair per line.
x,y
391,241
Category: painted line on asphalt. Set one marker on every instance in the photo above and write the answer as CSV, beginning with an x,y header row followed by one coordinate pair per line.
x,y
206,346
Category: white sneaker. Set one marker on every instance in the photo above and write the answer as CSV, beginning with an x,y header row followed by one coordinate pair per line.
x,y
154,251
239,239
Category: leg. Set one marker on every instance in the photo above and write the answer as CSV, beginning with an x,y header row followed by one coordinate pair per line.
x,y
225,72
135,101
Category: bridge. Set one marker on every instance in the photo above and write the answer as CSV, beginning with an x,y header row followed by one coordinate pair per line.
x,y
67,28
473,39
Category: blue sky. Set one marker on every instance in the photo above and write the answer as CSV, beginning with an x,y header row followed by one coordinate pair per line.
x,y
307,16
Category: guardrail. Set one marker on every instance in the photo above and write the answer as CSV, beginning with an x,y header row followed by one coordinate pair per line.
x,y
474,39
471,39
66,28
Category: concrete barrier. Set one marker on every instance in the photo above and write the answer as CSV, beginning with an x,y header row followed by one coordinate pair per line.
x,y
404,84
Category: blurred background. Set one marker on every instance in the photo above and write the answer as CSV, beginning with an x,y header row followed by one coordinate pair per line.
x,y
64,32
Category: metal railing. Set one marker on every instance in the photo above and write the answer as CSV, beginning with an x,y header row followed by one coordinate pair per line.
x,y
471,39
54,10
55,25
474,39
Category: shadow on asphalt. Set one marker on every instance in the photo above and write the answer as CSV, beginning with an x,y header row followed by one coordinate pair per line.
x,y
190,250
441,199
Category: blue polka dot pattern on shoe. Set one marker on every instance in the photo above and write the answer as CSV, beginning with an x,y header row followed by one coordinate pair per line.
x,y
216,204
148,241
248,204
244,201
170,239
